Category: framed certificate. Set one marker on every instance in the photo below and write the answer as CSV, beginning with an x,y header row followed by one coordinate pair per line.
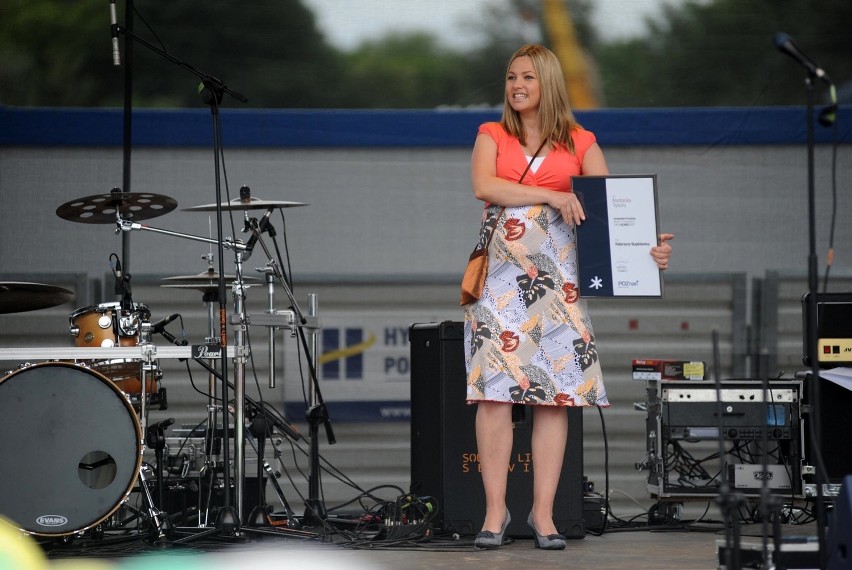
x,y
614,241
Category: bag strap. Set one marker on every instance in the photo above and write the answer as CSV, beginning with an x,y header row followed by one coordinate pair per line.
x,y
520,180
529,164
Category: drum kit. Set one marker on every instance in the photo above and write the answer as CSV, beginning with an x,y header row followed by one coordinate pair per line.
x,y
82,411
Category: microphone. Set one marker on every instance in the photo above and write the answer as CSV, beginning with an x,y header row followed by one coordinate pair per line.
x,y
785,44
119,280
116,56
163,424
262,225
160,325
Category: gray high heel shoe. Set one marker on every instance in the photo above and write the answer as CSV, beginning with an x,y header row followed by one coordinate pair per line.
x,y
491,540
549,542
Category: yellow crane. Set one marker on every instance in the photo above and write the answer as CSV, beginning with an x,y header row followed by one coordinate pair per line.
x,y
559,27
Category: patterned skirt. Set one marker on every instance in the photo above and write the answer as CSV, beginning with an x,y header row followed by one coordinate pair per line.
x,y
529,339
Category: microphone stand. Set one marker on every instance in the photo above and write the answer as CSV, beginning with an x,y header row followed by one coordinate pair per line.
x,y
811,332
785,45
212,91
729,501
127,142
768,504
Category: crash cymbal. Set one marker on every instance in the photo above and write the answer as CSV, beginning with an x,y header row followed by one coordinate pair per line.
x,y
18,297
243,204
102,208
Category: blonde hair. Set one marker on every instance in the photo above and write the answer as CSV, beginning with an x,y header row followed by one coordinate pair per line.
x,y
554,112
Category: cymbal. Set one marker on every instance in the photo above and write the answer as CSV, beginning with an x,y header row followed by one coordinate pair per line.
x,y
102,208
243,204
18,297
204,281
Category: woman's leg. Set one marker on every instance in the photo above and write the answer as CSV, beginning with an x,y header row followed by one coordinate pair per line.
x,y
549,436
494,445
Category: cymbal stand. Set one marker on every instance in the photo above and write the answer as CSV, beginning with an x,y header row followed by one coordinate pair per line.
x,y
227,520
241,353
317,412
211,451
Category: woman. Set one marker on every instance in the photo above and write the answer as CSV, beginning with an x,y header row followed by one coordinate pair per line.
x,y
528,339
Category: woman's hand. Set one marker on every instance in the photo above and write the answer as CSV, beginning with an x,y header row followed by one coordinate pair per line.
x,y
568,205
662,252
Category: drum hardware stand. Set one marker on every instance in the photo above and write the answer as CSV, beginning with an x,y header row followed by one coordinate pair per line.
x,y
229,522
270,294
259,516
156,440
211,457
212,91
317,412
162,528
242,351
241,354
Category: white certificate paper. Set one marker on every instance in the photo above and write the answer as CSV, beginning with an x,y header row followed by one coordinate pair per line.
x,y
614,241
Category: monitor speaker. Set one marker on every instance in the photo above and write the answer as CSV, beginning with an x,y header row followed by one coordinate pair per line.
x,y
444,460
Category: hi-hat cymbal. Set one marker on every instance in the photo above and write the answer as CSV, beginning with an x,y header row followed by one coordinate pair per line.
x,y
102,208
243,204
204,281
18,297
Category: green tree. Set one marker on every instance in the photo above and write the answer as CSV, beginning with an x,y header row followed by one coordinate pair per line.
x,y
411,68
50,56
721,53
58,53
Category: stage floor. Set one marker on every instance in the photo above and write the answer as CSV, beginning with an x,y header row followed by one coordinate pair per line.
x,y
679,549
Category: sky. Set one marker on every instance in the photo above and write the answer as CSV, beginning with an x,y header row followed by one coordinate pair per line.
x,y
346,23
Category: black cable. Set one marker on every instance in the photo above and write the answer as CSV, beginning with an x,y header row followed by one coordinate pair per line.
x,y
832,225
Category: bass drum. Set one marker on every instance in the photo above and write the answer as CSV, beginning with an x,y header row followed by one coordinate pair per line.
x,y
70,445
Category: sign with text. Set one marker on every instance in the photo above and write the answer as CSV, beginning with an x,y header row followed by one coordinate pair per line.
x,y
614,241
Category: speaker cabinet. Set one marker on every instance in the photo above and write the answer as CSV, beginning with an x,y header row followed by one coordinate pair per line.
x,y
831,404
444,460
840,530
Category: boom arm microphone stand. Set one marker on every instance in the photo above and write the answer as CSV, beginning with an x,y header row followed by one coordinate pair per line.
x,y
786,45
212,91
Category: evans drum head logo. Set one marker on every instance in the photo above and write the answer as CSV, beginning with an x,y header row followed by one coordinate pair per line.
x,y
51,520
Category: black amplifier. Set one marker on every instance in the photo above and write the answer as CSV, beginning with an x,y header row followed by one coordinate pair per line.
x,y
690,410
